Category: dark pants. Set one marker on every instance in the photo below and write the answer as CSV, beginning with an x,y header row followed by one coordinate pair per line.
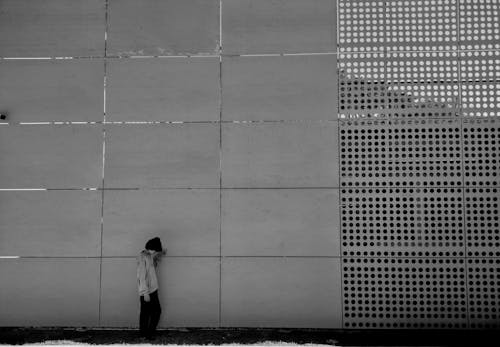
x,y
150,314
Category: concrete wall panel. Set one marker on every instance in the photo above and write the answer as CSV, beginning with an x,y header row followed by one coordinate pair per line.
x,y
280,26
285,222
280,88
52,90
162,27
42,156
162,156
163,89
50,223
186,220
49,292
281,292
189,292
52,28
280,155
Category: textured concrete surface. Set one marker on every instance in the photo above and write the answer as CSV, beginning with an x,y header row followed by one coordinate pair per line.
x,y
49,292
280,155
50,223
52,28
52,90
187,221
189,292
279,26
42,156
163,27
170,89
278,292
163,156
280,88
280,222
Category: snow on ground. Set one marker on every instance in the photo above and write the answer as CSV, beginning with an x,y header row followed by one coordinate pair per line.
x,y
67,343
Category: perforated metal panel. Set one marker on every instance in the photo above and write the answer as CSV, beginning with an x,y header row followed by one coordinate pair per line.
x,y
419,146
400,153
482,208
479,24
421,25
423,84
362,85
484,290
481,138
361,25
404,293
480,74
422,222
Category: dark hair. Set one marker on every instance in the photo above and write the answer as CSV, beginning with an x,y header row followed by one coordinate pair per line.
x,y
154,244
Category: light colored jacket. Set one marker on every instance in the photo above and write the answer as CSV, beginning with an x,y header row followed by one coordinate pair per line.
x,y
147,278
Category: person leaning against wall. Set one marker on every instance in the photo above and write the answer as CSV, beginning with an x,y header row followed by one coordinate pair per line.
x,y
147,265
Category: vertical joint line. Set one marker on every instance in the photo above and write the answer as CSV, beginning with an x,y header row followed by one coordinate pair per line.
x,y
220,163
337,50
106,24
103,151
220,27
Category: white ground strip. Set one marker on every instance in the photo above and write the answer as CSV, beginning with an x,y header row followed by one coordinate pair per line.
x,y
61,343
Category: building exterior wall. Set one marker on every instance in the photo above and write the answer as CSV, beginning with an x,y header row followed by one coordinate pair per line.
x,y
307,163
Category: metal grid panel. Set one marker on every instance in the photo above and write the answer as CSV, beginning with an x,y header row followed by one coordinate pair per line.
x,y
484,292
482,208
481,98
481,138
408,65
361,25
400,153
423,84
479,24
402,222
480,74
404,293
421,25
362,85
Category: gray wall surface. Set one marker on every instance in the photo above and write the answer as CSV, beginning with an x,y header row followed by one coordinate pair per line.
x,y
306,163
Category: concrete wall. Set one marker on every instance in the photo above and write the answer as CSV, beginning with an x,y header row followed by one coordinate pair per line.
x,y
307,163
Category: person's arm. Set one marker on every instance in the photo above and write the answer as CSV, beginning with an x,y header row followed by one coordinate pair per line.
x,y
158,255
141,276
